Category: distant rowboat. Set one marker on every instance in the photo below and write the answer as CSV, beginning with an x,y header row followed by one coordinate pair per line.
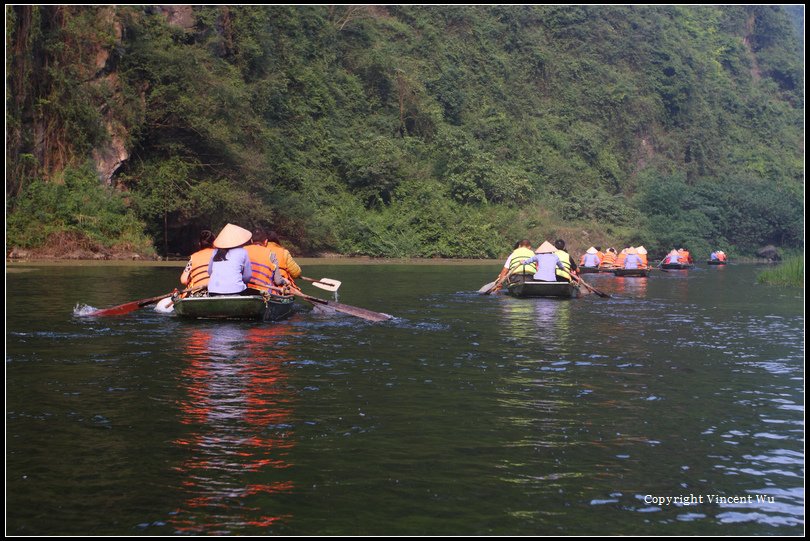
x,y
678,266
631,273
716,262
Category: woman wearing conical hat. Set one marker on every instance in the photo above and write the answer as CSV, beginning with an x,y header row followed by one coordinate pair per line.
x,y
672,257
591,258
642,253
229,268
547,263
632,260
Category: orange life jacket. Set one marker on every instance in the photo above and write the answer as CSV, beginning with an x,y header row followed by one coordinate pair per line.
x,y
261,267
620,259
643,259
286,264
608,260
721,257
196,271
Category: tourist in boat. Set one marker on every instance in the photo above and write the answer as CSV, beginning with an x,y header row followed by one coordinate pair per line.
x,y
229,268
721,255
196,271
632,260
514,267
569,266
547,262
642,253
287,266
684,257
590,259
672,257
622,255
609,260
264,274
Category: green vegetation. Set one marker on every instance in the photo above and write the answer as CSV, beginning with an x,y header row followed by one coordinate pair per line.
x,y
427,131
788,273
75,214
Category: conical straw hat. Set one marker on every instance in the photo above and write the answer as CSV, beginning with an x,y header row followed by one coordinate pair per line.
x,y
232,236
546,248
642,250
631,251
591,250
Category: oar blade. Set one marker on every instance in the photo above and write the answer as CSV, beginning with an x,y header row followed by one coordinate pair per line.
x,y
327,284
487,288
119,310
362,313
368,315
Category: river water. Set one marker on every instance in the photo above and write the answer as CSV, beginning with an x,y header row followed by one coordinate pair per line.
x,y
467,414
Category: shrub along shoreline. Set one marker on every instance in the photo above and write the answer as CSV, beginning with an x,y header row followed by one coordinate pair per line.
x,y
788,273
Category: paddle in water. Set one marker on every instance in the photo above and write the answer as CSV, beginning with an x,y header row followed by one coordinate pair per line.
x,y
128,307
589,287
362,313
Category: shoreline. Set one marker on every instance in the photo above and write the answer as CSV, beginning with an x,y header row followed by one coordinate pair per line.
x,y
180,263
327,260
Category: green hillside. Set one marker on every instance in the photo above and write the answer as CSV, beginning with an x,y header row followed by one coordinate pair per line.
x,y
406,131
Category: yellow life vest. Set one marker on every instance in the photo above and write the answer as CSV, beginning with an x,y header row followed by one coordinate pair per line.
x,y
515,259
565,258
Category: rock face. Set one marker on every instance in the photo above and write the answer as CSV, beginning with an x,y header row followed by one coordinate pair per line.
x,y
769,252
111,155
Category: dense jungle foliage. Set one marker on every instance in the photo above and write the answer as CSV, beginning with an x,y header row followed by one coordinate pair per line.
x,y
409,130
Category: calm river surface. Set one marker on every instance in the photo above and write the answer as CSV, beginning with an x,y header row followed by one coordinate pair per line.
x,y
467,414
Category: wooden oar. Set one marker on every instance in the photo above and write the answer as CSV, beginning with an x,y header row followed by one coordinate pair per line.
x,y
491,287
486,288
589,286
327,284
344,308
122,309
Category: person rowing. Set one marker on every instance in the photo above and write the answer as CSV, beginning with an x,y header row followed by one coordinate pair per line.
x,y
547,261
513,267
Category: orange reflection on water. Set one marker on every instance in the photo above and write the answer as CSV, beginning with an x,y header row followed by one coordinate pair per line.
x,y
237,408
635,286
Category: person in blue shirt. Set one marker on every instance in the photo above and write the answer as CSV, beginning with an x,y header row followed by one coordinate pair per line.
x,y
547,263
229,268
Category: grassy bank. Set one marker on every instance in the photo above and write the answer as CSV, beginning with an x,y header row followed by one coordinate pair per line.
x,y
789,273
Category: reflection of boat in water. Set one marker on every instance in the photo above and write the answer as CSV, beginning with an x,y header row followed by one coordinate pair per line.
x,y
237,411
530,288
267,307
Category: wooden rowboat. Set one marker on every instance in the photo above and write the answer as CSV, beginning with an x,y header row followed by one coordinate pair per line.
x,y
530,288
716,262
588,270
678,266
261,307
631,273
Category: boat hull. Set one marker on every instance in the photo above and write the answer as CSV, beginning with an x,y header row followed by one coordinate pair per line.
x,y
257,307
716,262
527,289
588,270
677,266
631,273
